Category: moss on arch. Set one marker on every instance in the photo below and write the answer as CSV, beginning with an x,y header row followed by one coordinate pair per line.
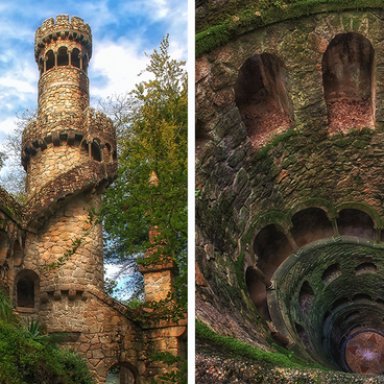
x,y
230,23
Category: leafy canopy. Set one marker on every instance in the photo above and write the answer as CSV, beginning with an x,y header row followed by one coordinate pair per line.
x,y
152,128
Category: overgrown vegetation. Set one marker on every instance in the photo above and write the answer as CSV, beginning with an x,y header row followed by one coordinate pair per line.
x,y
242,18
27,356
242,349
152,126
176,376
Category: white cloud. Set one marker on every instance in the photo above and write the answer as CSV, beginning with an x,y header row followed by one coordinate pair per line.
x,y
8,125
118,64
112,270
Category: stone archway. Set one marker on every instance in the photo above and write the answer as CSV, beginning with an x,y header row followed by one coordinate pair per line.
x,y
122,373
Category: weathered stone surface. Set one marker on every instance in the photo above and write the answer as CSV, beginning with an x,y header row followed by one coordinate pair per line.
x,y
253,199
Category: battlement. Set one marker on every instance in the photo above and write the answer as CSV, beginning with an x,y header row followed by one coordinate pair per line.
x,y
98,137
63,27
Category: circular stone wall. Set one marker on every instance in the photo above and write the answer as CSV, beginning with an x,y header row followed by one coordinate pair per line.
x,y
327,299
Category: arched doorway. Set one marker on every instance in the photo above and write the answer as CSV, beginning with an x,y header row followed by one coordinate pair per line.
x,y
122,373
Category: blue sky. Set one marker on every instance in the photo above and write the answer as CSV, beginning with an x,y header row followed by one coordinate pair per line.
x,y
122,32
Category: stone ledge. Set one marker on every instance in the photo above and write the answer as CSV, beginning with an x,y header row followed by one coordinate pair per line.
x,y
80,179
95,292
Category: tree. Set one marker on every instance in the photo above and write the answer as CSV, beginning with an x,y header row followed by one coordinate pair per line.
x,y
15,178
152,127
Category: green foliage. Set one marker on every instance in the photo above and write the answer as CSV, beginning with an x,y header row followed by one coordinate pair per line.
x,y
240,348
67,254
177,376
6,313
276,140
134,303
167,309
153,141
254,15
29,357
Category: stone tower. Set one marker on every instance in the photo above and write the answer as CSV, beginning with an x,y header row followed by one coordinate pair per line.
x,y
68,139
51,250
290,211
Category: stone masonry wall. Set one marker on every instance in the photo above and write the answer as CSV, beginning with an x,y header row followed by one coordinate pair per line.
x,y
97,331
63,98
239,187
69,224
47,165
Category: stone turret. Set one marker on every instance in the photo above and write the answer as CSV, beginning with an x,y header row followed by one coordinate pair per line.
x,y
66,132
69,149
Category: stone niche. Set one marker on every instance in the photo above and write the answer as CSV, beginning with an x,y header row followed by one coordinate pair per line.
x,y
261,97
348,75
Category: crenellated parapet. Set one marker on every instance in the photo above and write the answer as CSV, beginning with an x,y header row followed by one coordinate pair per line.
x,y
95,135
72,29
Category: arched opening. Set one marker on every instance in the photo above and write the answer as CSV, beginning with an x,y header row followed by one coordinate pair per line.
x,y
272,248
27,288
331,273
262,99
50,60
353,222
309,225
75,58
62,56
366,267
306,297
257,290
122,373
339,302
95,151
348,78
362,296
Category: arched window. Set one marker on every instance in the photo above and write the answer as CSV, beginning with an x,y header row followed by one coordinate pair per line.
x,y
348,78
75,58
309,225
331,273
261,96
62,56
353,222
27,288
50,60
95,151
272,247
